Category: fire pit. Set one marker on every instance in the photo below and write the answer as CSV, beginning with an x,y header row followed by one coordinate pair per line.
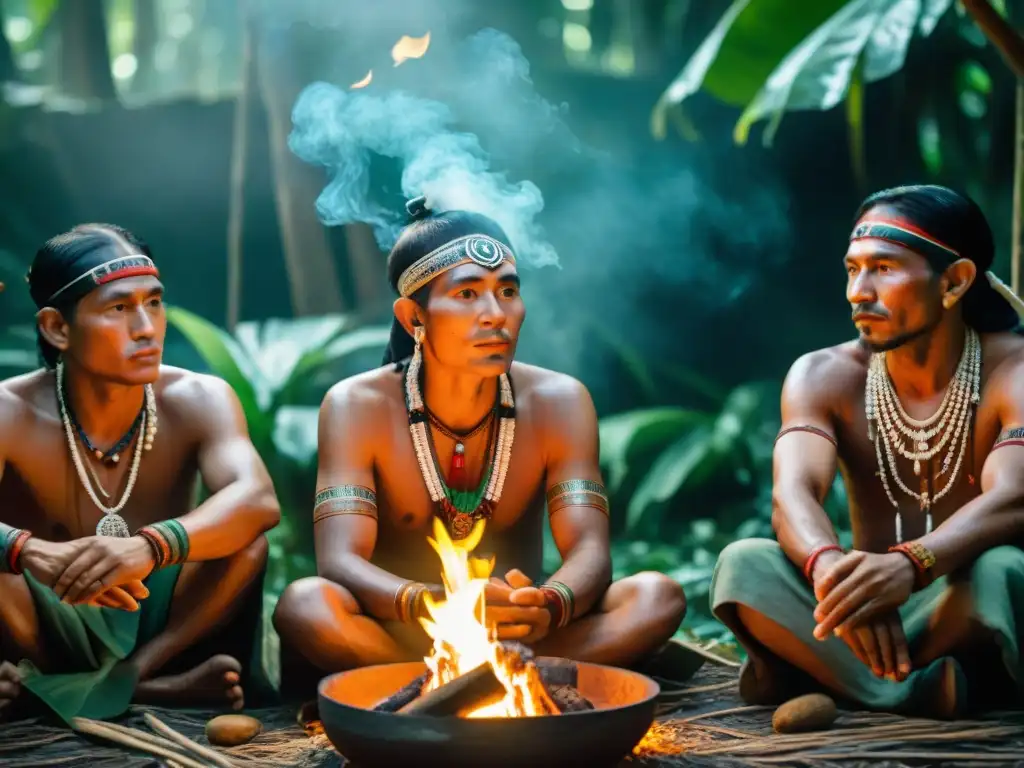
x,y
623,710
475,700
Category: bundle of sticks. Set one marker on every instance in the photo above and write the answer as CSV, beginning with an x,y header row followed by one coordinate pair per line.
x,y
177,750
480,687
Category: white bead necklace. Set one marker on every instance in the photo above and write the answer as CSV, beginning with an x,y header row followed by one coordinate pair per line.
x,y
111,524
890,428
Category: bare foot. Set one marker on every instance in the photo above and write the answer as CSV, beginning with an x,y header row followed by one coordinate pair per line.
x,y
215,681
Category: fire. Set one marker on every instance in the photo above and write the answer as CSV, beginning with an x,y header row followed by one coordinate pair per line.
x,y
410,48
462,641
364,82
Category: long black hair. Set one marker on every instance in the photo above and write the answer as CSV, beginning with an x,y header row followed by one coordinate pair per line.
x,y
955,220
67,256
426,232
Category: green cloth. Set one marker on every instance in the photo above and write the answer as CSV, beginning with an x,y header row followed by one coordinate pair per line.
x,y
756,573
90,644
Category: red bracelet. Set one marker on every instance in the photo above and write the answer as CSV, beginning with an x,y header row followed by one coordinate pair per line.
x,y
553,605
16,546
813,558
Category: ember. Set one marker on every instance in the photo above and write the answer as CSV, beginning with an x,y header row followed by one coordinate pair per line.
x,y
364,82
410,48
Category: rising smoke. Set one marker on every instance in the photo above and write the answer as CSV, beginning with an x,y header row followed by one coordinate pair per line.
x,y
641,240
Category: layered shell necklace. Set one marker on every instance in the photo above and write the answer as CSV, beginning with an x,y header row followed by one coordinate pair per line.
x,y
458,508
111,524
894,432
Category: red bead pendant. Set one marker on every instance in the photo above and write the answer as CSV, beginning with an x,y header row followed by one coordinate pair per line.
x,y
457,472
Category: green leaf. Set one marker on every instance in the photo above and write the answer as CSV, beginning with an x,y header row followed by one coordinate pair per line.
x,y
746,44
626,435
295,432
225,359
816,74
687,460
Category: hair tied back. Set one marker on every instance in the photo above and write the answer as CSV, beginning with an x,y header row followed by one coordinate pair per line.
x,y
417,208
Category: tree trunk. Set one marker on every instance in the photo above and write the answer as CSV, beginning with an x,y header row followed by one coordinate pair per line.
x,y
366,265
239,157
1018,193
312,275
84,52
144,47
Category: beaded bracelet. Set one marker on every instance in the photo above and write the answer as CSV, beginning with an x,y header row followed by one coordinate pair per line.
x,y
561,602
12,540
409,601
169,542
921,558
813,558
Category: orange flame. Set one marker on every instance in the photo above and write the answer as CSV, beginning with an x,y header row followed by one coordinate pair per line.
x,y
458,627
410,48
364,82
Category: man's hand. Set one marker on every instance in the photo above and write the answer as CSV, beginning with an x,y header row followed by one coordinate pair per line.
x,y
881,645
518,608
105,562
858,587
47,560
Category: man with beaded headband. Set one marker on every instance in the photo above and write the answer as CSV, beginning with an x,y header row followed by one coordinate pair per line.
x,y
113,589
451,427
923,416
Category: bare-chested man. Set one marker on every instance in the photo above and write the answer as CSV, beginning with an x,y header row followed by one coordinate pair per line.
x,y
122,591
452,427
924,417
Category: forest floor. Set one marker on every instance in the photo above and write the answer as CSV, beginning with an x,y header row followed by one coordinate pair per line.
x,y
702,724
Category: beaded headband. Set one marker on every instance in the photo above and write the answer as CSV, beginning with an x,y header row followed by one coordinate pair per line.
x,y
475,249
124,266
910,237
905,235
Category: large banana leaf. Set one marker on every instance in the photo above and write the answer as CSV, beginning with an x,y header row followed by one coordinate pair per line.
x,y
773,56
227,360
700,453
627,437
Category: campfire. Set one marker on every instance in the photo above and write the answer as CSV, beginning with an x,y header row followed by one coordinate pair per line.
x,y
474,699
470,673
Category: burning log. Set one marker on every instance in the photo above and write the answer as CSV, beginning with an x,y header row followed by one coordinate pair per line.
x,y
403,696
558,672
568,699
477,687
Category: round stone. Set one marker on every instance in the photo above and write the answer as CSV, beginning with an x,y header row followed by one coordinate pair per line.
x,y
232,730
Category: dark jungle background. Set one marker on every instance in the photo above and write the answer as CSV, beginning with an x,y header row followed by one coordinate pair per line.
x,y
696,164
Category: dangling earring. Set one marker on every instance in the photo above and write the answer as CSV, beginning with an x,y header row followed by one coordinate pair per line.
x,y
417,352
947,301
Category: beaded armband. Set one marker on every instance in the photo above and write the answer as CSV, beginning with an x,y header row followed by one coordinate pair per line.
x,y
577,493
169,542
409,601
1013,436
12,540
344,500
561,602
922,559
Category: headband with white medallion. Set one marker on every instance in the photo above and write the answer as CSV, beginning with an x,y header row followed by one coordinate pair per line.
x,y
468,249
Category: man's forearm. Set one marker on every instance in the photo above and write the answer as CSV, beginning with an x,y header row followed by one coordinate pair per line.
x,y
376,590
802,527
229,521
991,519
587,571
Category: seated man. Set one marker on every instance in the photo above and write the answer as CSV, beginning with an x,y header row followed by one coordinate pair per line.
x,y
101,453
924,416
451,427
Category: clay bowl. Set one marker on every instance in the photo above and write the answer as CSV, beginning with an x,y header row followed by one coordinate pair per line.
x,y
624,710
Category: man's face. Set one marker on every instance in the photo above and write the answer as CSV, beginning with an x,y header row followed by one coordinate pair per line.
x,y
894,293
473,317
118,331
